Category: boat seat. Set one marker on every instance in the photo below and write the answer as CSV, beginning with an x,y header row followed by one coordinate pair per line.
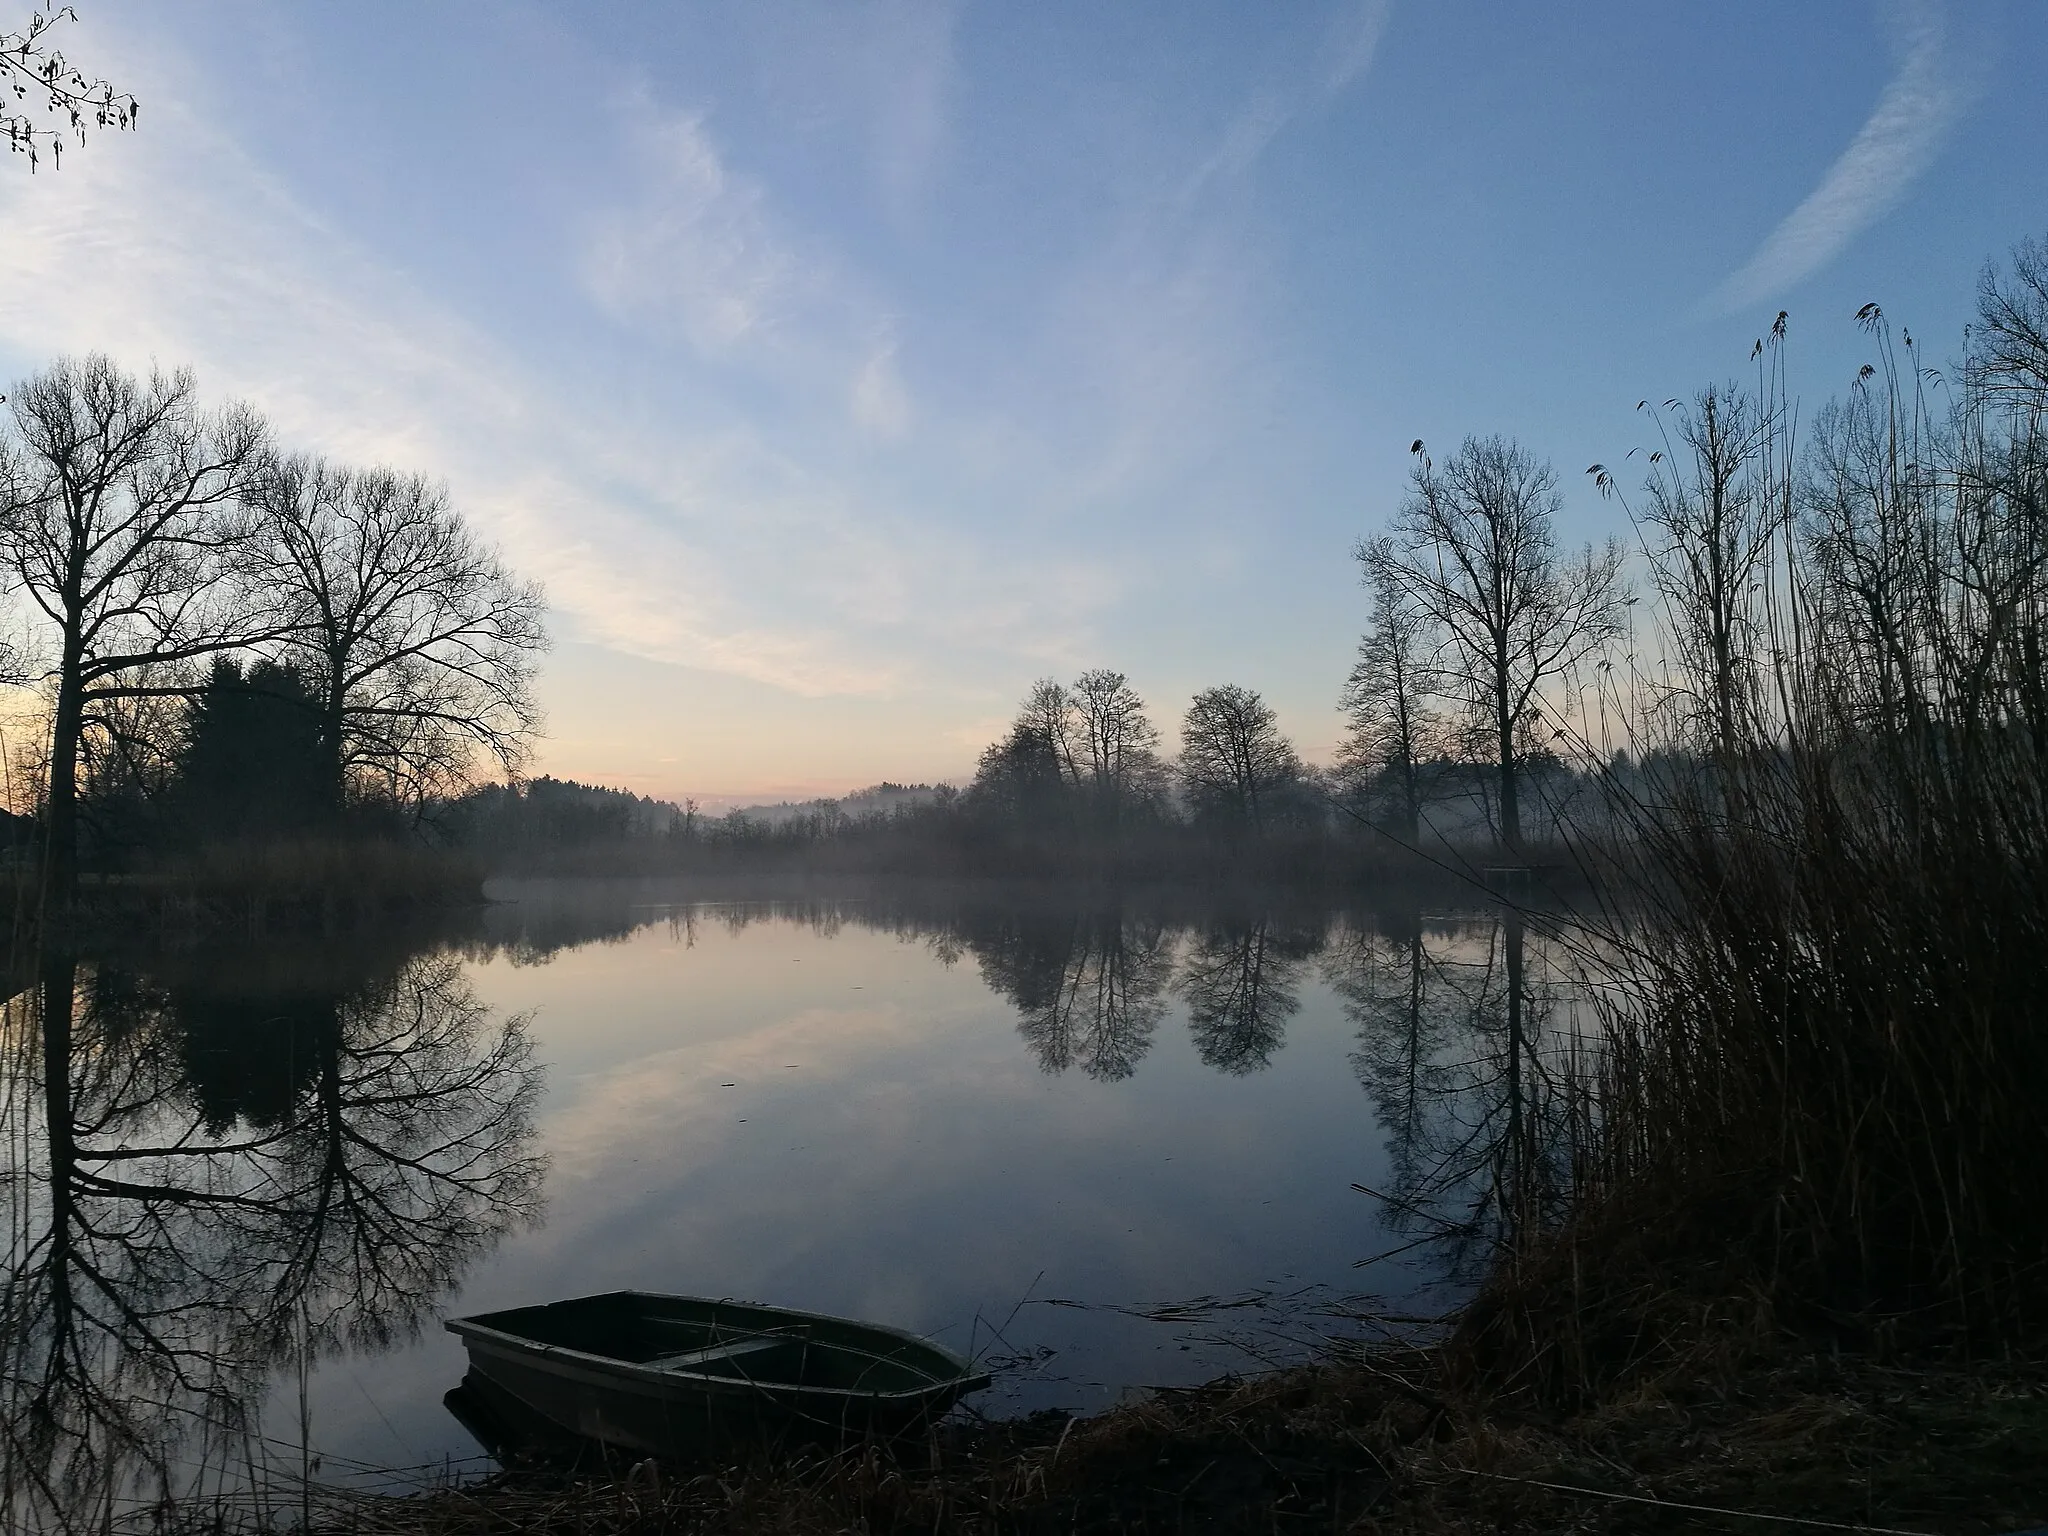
x,y
731,1349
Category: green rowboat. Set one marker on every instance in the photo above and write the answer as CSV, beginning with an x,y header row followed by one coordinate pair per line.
x,y
671,1373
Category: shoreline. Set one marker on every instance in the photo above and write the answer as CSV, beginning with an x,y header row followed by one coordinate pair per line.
x,y
1384,1440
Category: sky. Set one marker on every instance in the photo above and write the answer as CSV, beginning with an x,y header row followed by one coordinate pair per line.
x,y
841,367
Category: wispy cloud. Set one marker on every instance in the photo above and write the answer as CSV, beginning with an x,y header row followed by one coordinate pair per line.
x,y
751,469
1165,321
881,403
1895,145
1352,42
702,543
908,60
695,252
1344,53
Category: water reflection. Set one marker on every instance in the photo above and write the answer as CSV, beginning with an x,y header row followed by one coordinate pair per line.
x,y
1239,979
1472,1039
1472,1027
210,1173
1089,986
223,1167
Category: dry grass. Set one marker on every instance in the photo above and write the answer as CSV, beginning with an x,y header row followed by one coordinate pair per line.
x,y
1385,1443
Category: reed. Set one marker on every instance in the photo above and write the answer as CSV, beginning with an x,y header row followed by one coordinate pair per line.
x,y
1819,1110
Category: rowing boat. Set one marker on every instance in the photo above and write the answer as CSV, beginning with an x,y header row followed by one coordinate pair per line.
x,y
667,1373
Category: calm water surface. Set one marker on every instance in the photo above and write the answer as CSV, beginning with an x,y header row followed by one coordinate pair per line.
x,y
246,1183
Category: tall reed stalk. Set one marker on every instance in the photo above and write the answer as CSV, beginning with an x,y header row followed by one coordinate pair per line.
x,y
1821,1104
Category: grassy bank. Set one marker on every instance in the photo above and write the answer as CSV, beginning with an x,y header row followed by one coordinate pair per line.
x,y
1394,1441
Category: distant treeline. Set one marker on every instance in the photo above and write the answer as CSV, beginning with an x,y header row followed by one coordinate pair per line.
x,y
1017,817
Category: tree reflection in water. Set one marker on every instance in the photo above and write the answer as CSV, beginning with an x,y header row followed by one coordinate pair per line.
x,y
1240,981
1089,985
208,1179
1470,1046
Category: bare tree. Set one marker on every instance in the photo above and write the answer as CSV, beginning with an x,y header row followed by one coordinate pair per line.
x,y
1390,694
1048,717
36,76
119,518
422,643
1114,742
2007,358
1232,755
1713,521
1474,546
2000,470
1028,776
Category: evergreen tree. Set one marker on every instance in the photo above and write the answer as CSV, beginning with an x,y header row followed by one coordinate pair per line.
x,y
251,765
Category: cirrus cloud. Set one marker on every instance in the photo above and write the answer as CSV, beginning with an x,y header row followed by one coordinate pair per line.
x,y
1896,144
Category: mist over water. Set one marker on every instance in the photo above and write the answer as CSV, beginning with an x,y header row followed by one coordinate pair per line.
x,y
1101,1141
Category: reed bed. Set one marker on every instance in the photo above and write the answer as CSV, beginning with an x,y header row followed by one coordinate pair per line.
x,y
1818,1112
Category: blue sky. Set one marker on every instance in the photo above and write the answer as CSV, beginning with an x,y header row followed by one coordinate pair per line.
x,y
842,367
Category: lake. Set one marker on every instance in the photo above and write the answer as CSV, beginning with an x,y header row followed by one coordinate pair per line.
x,y
1102,1141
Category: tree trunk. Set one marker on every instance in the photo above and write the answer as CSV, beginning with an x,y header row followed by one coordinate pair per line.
x,y
1510,806
1517,1200
61,855
333,722
1411,775
58,983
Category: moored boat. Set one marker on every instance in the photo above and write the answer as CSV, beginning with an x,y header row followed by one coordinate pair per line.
x,y
668,1373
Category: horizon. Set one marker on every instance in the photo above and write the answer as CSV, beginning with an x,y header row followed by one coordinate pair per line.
x,y
841,372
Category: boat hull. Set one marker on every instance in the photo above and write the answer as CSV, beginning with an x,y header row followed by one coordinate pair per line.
x,y
558,1360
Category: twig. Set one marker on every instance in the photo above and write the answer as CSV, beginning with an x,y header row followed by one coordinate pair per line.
x,y
1701,1509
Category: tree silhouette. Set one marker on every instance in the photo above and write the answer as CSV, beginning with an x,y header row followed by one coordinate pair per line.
x,y
1389,699
250,763
2007,358
1233,759
119,517
1474,547
1113,746
1029,777
1079,758
419,642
